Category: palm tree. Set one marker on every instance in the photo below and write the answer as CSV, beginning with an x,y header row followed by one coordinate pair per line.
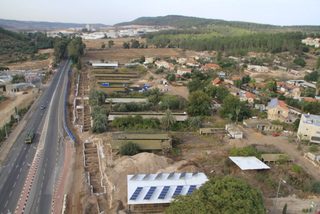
x,y
168,119
237,110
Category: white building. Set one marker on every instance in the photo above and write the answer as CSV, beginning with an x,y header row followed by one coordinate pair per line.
x,y
309,128
146,190
258,68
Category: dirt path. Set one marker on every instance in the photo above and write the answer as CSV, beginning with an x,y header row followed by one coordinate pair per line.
x,y
284,146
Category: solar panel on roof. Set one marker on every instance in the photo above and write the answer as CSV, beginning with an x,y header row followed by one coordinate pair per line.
x,y
178,190
149,193
134,177
182,175
164,192
170,175
146,177
158,176
136,193
195,173
191,188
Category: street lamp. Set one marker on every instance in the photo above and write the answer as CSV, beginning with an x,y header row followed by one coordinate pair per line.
x,y
275,204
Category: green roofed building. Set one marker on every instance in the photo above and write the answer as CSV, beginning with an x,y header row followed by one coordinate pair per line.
x,y
146,142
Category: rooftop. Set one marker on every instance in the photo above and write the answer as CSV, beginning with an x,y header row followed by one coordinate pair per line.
x,y
160,188
249,163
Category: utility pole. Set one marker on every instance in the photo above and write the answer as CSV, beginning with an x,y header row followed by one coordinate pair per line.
x,y
275,204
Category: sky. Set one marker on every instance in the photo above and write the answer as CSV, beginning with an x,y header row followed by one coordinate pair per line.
x,y
275,12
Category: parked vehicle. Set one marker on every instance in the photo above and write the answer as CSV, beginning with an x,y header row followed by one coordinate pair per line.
x,y
263,133
275,135
42,107
29,136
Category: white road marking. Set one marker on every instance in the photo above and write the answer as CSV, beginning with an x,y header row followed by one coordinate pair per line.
x,y
6,204
18,176
10,194
20,169
14,184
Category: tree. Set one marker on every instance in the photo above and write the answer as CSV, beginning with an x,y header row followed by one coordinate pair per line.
x,y
218,196
230,104
194,122
103,46
238,83
219,92
168,119
312,77
129,148
237,111
318,63
110,43
126,45
284,211
199,103
299,61
219,56
17,78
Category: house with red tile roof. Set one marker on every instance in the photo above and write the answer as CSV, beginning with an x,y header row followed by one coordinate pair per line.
x,y
278,110
162,63
192,63
210,66
217,81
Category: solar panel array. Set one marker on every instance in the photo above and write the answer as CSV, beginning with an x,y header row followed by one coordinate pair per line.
x,y
178,190
158,176
170,175
191,188
146,176
150,193
183,175
134,177
136,193
164,192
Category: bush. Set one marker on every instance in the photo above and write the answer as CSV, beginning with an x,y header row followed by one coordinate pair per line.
x,y
129,148
296,169
313,148
245,151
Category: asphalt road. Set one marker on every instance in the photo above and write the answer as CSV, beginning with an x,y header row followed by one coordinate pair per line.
x,y
49,135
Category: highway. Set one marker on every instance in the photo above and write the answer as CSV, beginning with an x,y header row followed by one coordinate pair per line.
x,y
49,139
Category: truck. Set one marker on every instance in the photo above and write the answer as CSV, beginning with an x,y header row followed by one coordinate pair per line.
x,y
29,136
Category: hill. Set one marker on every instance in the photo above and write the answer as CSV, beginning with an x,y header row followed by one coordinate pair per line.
x,y
32,25
194,22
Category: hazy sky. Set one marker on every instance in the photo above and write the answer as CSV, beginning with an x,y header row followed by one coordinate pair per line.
x,y
276,12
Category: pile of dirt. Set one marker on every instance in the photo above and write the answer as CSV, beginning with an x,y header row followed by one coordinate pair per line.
x,y
142,163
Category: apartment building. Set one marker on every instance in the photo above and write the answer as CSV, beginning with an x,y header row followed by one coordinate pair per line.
x,y
309,128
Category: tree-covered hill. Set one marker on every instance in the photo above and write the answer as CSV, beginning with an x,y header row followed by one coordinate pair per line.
x,y
191,22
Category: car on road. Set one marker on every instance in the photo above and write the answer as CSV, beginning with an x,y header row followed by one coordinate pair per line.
x,y
25,92
263,133
275,135
42,107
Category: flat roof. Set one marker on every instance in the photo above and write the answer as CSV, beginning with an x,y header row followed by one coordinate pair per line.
x,y
160,188
126,100
179,117
249,163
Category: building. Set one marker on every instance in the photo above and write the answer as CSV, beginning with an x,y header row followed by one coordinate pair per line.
x,y
311,42
149,193
149,59
217,81
146,142
105,65
162,63
247,96
210,66
182,71
234,131
278,110
309,128
262,125
258,68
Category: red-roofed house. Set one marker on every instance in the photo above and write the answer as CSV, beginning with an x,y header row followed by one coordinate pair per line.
x,y
162,63
217,81
192,63
210,66
278,110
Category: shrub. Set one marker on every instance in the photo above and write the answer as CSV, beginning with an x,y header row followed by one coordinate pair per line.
x,y
129,148
313,148
296,168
